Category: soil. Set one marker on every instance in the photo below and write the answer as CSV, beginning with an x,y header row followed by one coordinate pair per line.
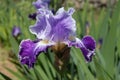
x,y
5,62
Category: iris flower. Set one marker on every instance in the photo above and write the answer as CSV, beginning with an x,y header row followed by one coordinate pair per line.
x,y
53,31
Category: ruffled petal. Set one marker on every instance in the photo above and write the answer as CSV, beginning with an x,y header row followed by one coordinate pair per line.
x,y
58,28
29,50
62,25
62,13
42,27
87,46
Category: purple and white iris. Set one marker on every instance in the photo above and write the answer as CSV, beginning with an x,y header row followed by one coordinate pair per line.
x,y
52,30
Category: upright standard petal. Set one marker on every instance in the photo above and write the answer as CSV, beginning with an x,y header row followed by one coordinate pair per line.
x,y
87,46
29,50
41,4
42,28
62,25
58,28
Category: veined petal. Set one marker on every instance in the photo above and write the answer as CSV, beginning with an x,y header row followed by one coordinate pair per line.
x,y
29,50
87,46
26,53
44,12
42,28
57,28
62,25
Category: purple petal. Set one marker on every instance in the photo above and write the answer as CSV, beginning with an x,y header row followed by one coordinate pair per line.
x,y
89,42
26,53
87,54
57,28
16,31
41,4
87,46
62,13
63,25
42,28
29,50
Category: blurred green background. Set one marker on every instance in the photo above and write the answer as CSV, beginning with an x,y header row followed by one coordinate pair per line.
x,y
98,18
